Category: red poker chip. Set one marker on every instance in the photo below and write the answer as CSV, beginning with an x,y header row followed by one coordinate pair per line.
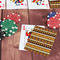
x,y
54,22
15,17
4,18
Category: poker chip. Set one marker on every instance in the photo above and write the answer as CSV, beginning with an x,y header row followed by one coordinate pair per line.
x,y
54,22
51,14
0,23
9,27
2,34
13,16
4,18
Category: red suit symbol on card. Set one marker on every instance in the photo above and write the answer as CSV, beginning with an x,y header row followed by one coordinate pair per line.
x,y
43,4
2,5
23,27
47,5
0,2
22,4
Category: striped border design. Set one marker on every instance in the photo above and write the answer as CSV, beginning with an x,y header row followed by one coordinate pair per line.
x,y
55,4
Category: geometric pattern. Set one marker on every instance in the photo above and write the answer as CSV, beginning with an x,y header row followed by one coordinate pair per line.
x,y
41,41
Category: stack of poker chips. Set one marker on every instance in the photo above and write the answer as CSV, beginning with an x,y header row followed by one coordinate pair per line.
x,y
17,2
54,3
2,33
8,26
37,1
53,20
41,41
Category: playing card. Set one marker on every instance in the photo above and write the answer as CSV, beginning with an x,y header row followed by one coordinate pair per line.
x,y
2,4
16,4
25,29
38,4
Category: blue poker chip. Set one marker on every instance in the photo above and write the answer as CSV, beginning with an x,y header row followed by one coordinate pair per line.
x,y
51,14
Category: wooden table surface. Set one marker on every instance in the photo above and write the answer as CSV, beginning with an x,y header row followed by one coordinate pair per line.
x,y
10,45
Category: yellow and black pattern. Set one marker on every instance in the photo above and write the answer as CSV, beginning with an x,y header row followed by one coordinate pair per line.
x,y
55,4
41,41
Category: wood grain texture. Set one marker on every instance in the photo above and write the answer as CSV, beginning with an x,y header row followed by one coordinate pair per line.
x,y
0,14
10,45
40,17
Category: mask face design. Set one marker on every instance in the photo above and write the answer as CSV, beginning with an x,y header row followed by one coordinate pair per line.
x,y
16,4
38,2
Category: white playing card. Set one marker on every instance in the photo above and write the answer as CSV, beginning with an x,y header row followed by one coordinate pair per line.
x,y
42,4
2,4
23,37
16,4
